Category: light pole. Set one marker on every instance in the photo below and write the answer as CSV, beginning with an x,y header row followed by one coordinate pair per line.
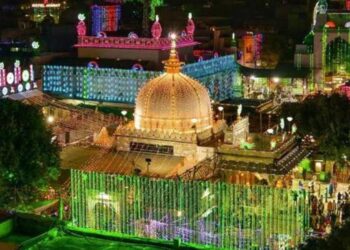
x,y
124,113
194,126
148,161
221,110
50,119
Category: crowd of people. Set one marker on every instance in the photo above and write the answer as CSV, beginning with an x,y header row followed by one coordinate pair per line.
x,y
329,210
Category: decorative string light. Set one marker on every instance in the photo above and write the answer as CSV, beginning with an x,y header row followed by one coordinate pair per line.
x,y
219,75
215,214
17,80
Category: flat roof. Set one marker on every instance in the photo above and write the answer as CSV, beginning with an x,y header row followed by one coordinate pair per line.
x,y
102,63
281,71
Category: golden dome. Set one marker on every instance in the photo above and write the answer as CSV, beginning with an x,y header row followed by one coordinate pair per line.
x,y
173,102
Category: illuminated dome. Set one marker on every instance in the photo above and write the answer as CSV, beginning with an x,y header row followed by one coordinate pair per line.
x,y
173,102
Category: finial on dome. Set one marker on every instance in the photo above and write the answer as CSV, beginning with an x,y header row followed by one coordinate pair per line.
x,y
173,64
173,45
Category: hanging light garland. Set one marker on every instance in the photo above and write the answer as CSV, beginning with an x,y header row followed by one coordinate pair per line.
x,y
219,75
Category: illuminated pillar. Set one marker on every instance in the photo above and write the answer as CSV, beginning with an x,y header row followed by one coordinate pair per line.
x,y
31,69
17,72
2,75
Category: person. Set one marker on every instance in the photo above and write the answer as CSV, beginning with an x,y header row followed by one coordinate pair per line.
x,y
320,207
339,197
329,207
330,190
333,219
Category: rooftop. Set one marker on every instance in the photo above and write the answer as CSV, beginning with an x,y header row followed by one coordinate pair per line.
x,y
119,162
281,71
102,63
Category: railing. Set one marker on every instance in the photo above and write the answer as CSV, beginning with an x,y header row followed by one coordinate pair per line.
x,y
133,43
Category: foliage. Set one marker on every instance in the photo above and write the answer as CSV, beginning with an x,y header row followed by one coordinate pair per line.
x,y
309,39
153,5
305,165
28,158
325,117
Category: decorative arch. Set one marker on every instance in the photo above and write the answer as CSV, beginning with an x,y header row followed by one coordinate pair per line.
x,y
338,57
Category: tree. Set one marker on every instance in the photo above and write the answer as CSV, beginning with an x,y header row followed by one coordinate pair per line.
x,y
29,159
327,118
149,13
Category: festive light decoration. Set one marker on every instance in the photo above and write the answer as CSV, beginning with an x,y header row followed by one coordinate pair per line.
x,y
81,26
35,45
41,10
17,81
337,57
190,28
105,18
330,24
2,74
156,28
137,66
93,64
215,214
219,75
162,43
133,35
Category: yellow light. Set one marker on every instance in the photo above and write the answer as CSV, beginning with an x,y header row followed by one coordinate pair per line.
x,y
276,80
50,119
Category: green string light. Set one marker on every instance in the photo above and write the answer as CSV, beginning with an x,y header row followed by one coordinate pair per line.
x,y
217,214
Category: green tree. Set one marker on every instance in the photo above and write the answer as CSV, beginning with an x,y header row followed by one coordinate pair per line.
x,y
327,118
29,159
148,13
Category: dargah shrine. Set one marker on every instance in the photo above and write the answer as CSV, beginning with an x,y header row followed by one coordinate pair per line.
x,y
174,170
158,195
326,49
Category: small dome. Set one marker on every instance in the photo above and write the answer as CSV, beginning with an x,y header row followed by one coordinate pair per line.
x,y
173,102
330,24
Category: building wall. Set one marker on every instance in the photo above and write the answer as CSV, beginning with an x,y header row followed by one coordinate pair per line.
x,y
219,75
147,55
321,39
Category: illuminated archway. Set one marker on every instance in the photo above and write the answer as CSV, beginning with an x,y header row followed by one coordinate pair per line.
x,y
338,57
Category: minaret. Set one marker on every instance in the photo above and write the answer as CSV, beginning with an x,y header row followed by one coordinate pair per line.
x,y
322,6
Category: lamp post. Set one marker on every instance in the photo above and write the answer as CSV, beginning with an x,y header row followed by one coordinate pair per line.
x,y
194,126
289,119
148,161
50,119
124,113
221,110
